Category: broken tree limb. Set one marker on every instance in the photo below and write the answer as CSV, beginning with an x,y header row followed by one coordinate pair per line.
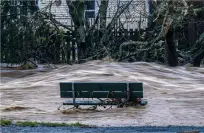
x,y
132,43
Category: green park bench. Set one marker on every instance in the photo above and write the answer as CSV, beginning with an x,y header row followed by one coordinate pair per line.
x,y
101,93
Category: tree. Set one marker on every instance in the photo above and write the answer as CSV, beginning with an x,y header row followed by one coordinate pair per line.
x,y
39,34
172,57
85,32
26,33
198,51
76,11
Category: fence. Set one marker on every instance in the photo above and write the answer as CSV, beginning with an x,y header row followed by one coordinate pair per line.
x,y
119,36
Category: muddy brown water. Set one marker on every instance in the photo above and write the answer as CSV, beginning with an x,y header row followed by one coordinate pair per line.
x,y
175,95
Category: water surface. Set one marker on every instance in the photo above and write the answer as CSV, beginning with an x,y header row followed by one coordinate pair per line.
x,y
175,95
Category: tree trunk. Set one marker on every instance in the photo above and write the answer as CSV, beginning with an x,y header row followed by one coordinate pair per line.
x,y
172,58
76,11
103,11
198,58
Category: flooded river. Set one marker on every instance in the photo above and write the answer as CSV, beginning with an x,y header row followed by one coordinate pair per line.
x,y
175,95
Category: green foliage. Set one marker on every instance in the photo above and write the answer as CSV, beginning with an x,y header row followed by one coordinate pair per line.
x,y
47,124
27,123
34,124
27,36
201,38
199,45
77,124
5,122
157,52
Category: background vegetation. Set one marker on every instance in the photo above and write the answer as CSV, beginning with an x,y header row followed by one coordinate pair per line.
x,y
175,34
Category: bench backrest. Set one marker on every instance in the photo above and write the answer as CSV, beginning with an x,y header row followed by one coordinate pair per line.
x,y
100,90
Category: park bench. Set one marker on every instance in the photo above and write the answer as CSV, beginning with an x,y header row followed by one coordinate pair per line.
x,y
99,93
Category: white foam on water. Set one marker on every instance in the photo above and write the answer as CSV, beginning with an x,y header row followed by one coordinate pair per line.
x,y
175,95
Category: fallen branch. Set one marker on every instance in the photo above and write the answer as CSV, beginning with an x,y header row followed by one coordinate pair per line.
x,y
132,43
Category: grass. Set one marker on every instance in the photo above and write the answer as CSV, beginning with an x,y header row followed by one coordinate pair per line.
x,y
26,123
5,122
46,124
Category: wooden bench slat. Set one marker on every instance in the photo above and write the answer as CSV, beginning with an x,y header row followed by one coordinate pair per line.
x,y
93,95
64,94
100,86
66,86
136,94
104,94
99,94
136,86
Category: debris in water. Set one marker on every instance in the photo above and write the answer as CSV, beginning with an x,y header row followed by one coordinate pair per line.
x,y
14,108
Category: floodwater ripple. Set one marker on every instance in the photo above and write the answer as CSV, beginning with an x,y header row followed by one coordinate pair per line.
x,y
175,95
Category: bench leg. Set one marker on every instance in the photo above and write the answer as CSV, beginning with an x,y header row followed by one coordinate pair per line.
x,y
108,108
76,106
120,105
60,107
93,107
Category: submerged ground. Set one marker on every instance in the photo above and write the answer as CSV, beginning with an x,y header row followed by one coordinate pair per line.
x,y
175,95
